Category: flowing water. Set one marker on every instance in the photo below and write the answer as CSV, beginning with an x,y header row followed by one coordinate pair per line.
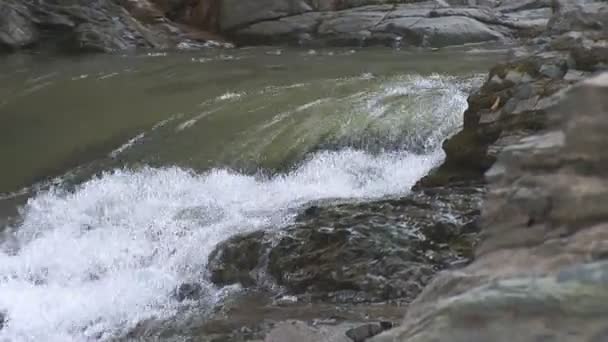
x,y
119,174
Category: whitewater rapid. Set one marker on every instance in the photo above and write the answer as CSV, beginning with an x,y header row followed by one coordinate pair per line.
x,y
91,263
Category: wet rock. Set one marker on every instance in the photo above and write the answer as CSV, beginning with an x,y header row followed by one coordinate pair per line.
x,y
364,332
442,31
297,28
295,330
16,30
236,260
501,112
358,252
238,13
188,291
98,26
553,71
578,16
591,55
303,332
513,102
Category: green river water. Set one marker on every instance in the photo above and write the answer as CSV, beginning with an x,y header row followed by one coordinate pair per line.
x,y
119,174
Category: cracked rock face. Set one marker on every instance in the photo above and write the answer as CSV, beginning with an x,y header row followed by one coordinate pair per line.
x,y
426,24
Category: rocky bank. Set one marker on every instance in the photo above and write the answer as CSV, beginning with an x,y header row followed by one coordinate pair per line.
x,y
115,25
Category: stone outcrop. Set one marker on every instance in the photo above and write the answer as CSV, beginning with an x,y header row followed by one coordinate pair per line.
x,y
513,101
540,269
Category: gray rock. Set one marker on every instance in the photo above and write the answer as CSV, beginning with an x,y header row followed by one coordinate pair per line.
x,y
553,71
16,29
441,31
237,259
373,22
523,5
590,55
292,28
236,14
575,75
298,331
188,291
366,331
474,3
351,21
571,305
540,271
578,16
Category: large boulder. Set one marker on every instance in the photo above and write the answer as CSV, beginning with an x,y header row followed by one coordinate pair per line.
x,y
297,28
369,252
578,15
104,25
356,23
79,25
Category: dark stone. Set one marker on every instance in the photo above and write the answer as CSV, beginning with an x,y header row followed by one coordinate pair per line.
x,y
16,29
312,211
362,333
386,325
188,291
362,252
235,260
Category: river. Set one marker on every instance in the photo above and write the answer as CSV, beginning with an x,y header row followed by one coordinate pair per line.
x,y
120,173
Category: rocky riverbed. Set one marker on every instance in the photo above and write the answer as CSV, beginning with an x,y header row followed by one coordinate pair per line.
x,y
505,241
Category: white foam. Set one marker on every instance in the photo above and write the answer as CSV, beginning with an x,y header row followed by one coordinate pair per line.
x,y
96,261
127,145
230,96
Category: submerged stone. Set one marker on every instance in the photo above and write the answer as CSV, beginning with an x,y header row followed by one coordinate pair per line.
x,y
363,332
349,253
188,291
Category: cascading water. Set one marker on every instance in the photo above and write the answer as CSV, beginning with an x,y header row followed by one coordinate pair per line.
x,y
91,261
